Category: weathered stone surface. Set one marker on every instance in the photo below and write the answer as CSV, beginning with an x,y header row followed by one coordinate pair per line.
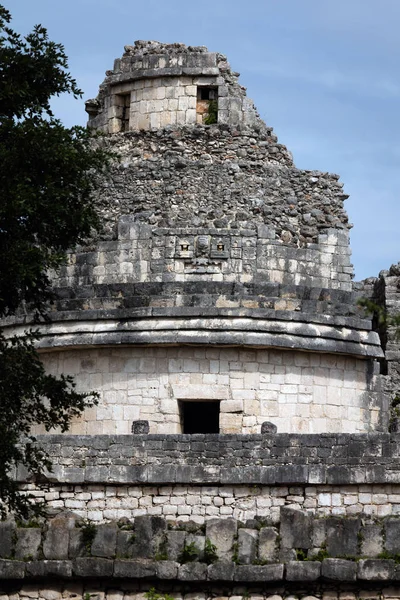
x,y
76,546
221,533
167,569
337,569
375,570
133,569
303,571
28,542
7,529
92,567
372,540
267,544
55,545
221,571
247,541
49,568
11,569
56,541
342,536
392,535
192,572
250,573
149,532
295,528
175,544
105,541
125,539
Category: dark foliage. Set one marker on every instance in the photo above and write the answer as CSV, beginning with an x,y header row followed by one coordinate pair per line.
x,y
48,174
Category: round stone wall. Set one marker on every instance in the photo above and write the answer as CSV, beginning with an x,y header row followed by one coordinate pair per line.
x,y
299,392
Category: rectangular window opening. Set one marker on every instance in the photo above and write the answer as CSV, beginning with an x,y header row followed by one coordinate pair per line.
x,y
207,105
123,101
200,417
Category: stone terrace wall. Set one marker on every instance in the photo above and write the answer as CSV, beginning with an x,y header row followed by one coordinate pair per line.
x,y
326,554
234,551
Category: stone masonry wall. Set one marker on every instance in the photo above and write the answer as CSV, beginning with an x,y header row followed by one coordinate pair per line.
x,y
218,177
146,254
155,84
127,590
197,503
326,555
298,392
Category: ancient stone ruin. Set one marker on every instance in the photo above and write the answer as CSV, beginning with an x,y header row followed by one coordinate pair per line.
x,y
241,445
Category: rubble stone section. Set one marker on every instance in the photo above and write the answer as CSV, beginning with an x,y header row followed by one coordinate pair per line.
x,y
218,177
298,392
155,85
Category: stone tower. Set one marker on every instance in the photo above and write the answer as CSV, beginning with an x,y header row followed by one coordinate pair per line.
x,y
221,290
217,317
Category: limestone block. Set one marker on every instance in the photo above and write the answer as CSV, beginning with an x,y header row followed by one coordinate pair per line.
x,y
49,568
342,536
337,569
221,571
232,406
92,567
192,572
7,531
155,120
167,569
254,573
105,540
375,570
392,536
247,540
134,569
149,532
267,544
191,115
175,544
222,533
12,569
230,423
28,543
200,392
55,545
295,528
372,540
303,571
173,104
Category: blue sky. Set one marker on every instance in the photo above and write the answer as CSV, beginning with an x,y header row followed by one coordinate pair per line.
x,y
323,73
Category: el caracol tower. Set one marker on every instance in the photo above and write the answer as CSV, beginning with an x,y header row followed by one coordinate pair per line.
x,y
240,447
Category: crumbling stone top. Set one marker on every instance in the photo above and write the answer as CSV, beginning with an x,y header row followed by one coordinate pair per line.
x,y
142,47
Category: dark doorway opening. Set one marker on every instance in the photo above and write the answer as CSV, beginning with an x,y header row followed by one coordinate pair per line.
x,y
200,417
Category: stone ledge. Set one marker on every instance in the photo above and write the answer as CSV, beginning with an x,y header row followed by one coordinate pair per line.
x,y
338,459
371,570
258,333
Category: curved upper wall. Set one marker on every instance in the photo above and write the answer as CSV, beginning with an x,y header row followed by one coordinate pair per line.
x,y
155,84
